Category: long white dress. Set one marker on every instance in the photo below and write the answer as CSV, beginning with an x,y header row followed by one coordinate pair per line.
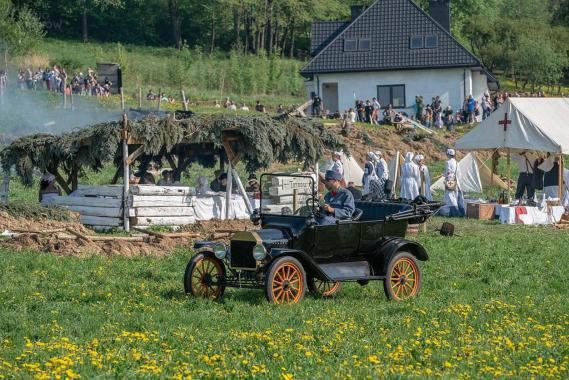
x,y
427,178
451,173
410,178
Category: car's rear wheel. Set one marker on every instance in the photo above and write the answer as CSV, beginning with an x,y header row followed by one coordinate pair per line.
x,y
202,276
323,288
403,277
285,281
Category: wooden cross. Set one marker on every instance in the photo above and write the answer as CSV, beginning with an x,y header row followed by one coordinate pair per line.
x,y
505,122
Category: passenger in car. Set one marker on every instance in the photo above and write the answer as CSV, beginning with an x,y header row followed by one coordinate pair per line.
x,y
339,202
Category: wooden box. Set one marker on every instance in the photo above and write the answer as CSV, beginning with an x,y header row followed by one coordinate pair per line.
x,y
481,211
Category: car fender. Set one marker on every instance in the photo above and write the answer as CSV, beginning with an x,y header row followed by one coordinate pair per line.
x,y
392,246
309,264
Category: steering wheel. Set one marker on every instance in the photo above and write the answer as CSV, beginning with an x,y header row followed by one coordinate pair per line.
x,y
313,204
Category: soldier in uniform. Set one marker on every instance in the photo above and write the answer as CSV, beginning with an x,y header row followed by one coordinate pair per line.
x,y
339,202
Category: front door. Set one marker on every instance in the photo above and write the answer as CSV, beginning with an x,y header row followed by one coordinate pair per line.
x,y
330,97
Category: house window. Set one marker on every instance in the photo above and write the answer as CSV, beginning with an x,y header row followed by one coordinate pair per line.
x,y
431,41
364,44
416,42
393,94
351,44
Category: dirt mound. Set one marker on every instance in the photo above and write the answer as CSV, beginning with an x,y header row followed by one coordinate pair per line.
x,y
388,140
72,238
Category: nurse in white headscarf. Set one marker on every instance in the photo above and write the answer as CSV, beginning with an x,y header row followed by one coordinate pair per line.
x,y
337,165
203,186
381,167
425,183
451,175
369,171
410,178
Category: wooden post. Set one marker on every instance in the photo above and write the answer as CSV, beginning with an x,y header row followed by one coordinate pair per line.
x,y
140,98
184,100
509,170
64,97
126,167
228,192
294,200
242,191
5,191
71,97
159,98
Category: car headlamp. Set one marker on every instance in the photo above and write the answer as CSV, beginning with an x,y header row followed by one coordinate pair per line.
x,y
259,252
220,251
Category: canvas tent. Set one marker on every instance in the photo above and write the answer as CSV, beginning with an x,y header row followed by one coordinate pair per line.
x,y
352,170
536,124
394,166
474,176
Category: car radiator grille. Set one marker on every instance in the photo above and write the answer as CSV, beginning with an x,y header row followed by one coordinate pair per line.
x,y
242,254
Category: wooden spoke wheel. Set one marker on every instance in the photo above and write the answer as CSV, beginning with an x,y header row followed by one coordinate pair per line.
x,y
403,277
202,276
323,288
285,281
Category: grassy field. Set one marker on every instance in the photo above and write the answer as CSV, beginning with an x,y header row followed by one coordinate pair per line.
x,y
245,78
493,305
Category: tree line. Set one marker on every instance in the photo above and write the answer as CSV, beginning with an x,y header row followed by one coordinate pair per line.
x,y
527,40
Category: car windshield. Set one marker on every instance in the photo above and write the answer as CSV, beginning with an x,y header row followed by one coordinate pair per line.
x,y
287,194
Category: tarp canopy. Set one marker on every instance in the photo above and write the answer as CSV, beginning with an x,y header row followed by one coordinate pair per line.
x,y
535,124
474,176
352,170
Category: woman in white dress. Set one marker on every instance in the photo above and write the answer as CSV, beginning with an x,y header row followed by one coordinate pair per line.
x,y
451,180
410,178
369,171
425,183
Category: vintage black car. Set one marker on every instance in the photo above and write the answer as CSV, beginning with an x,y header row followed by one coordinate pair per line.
x,y
291,253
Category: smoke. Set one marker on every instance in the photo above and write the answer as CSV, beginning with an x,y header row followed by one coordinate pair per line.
x,y
27,112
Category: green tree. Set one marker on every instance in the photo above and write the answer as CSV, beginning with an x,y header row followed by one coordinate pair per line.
x,y
20,31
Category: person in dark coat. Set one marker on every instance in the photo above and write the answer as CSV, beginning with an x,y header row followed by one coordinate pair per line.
x,y
357,193
339,202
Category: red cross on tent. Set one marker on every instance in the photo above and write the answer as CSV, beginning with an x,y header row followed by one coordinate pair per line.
x,y
505,122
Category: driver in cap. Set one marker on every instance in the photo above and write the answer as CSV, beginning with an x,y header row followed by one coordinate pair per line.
x,y
339,202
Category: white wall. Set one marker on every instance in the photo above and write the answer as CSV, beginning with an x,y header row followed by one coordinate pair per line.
x,y
449,84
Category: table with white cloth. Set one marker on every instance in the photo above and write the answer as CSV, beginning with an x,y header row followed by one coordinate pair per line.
x,y
212,206
527,215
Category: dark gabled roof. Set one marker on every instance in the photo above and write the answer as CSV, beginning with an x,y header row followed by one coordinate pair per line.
x,y
323,32
390,24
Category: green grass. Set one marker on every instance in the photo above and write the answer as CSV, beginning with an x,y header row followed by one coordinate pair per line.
x,y
244,78
493,305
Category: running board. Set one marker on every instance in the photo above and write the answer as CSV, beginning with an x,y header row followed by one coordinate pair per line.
x,y
349,271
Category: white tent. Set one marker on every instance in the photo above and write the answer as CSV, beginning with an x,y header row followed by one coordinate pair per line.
x,y
535,124
474,176
352,170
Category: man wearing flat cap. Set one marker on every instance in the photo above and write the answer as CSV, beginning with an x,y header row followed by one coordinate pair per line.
x,y
339,201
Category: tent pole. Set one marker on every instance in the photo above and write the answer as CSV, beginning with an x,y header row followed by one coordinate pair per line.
x,y
242,190
228,191
509,169
561,179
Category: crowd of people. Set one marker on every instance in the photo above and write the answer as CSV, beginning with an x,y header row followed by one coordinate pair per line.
x,y
56,79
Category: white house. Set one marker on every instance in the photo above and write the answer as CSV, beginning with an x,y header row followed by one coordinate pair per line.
x,y
394,51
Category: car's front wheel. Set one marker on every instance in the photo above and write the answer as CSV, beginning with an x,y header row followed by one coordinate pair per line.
x,y
203,275
403,277
323,288
285,281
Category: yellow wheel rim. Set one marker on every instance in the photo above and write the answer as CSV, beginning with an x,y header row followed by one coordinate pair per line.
x,y
287,284
204,274
404,279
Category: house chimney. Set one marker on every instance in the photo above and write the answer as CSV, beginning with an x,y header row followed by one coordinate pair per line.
x,y
440,11
357,10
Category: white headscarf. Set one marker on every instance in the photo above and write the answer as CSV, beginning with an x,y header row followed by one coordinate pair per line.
x,y
378,153
409,157
451,152
419,158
